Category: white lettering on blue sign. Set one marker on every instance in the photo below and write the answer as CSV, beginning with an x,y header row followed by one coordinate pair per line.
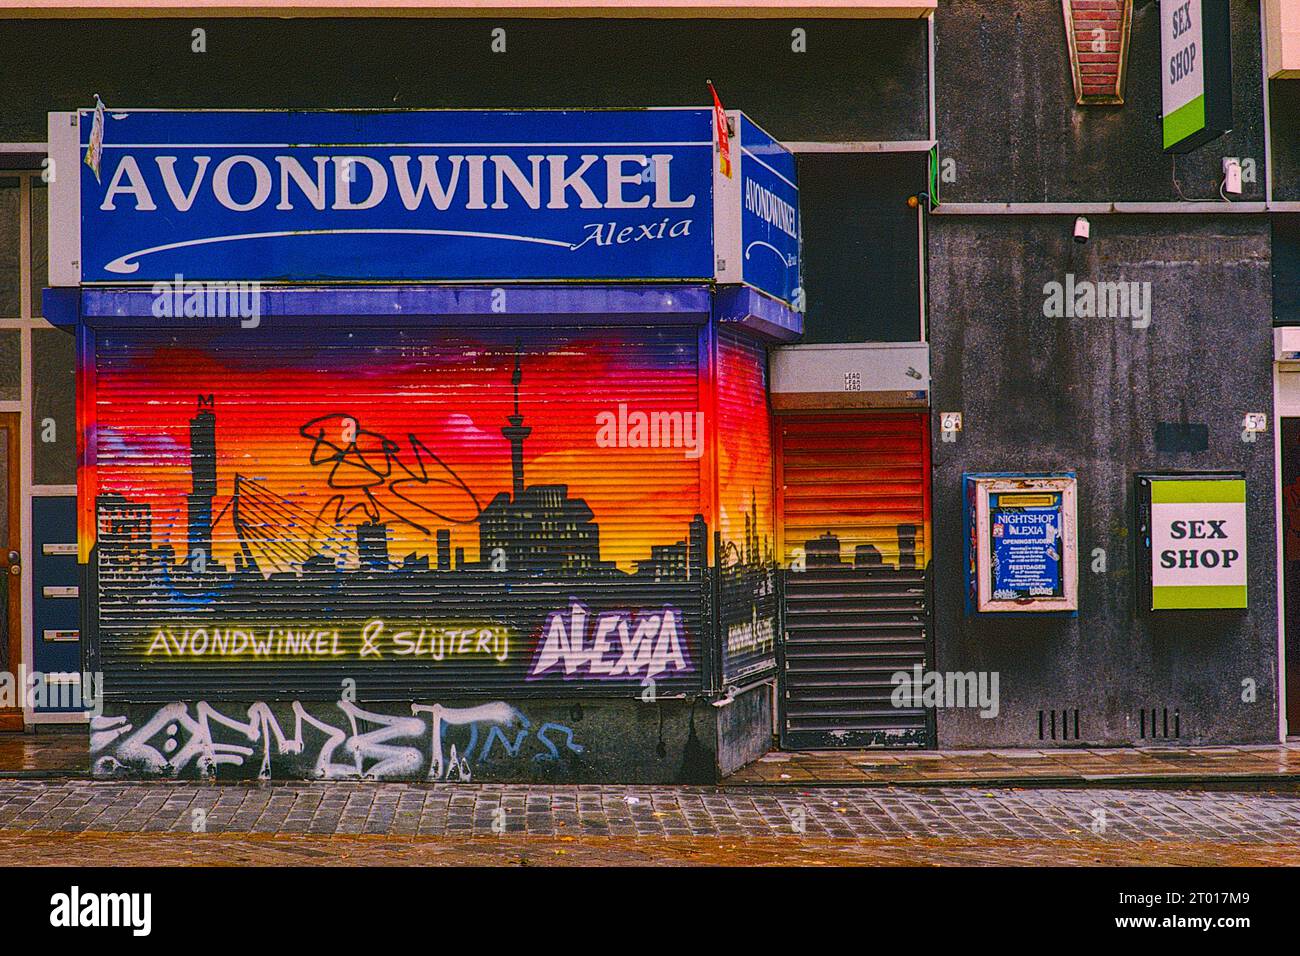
x,y
557,186
771,208
436,195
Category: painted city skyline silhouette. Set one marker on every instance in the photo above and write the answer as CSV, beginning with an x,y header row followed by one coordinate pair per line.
x,y
532,530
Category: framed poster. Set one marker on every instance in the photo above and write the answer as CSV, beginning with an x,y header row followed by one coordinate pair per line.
x,y
1022,552
1191,531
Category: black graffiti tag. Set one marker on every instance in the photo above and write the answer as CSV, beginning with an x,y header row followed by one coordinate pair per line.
x,y
370,463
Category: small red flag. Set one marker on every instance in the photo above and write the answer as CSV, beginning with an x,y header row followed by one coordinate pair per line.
x,y
724,141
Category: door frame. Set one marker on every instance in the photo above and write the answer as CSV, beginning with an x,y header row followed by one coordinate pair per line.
x,y
26,322
11,425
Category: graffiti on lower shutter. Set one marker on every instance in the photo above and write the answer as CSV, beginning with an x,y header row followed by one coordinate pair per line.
x,y
339,741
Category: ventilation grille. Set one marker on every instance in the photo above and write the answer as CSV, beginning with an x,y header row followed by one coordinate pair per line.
x,y
1058,724
1160,723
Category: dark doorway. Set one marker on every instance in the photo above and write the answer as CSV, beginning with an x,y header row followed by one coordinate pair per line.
x,y
1291,559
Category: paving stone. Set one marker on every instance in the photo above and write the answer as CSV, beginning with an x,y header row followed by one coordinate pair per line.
x,y
838,813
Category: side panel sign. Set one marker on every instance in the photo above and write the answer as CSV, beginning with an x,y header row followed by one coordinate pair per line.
x,y
769,217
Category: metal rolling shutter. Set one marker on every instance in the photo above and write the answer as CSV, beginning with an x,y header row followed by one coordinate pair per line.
x,y
430,472
747,591
854,513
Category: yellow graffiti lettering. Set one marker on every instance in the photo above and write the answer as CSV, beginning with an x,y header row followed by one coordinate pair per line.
x,y
370,635
435,641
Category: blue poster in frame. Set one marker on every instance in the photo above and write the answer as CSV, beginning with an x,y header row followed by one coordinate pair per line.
x,y
1025,533
1020,546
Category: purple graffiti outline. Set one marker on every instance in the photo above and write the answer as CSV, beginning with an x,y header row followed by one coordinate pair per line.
x,y
583,670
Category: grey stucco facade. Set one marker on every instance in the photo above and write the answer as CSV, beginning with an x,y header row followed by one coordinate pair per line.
x,y
1085,395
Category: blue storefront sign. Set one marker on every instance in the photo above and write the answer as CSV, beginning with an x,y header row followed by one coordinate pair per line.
x,y
429,195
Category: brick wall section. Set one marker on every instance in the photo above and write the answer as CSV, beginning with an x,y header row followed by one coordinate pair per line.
x,y
1098,71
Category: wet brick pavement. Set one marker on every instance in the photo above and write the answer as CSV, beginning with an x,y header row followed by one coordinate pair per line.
x,y
41,822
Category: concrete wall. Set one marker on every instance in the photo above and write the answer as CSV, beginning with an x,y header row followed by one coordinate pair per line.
x,y
1086,395
745,728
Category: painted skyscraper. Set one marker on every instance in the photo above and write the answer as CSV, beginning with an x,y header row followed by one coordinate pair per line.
x,y
203,477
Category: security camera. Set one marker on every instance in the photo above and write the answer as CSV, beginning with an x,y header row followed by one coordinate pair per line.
x,y
1081,229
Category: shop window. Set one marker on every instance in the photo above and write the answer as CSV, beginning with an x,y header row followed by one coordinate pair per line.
x,y
11,368
19,266
1286,270
54,440
10,253
39,276
860,246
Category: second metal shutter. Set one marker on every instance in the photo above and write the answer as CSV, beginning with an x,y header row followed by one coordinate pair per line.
x,y
854,516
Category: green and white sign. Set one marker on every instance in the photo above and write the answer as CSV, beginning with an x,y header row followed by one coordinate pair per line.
x,y
1196,92
1198,543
